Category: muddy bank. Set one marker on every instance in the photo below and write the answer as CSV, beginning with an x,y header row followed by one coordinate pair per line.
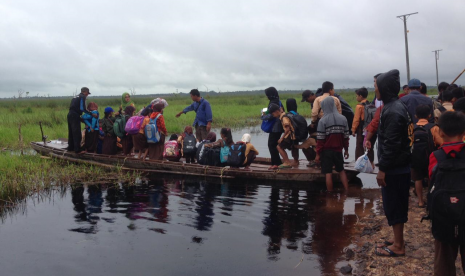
x,y
419,259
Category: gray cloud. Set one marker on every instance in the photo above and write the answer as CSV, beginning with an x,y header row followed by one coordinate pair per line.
x,y
54,47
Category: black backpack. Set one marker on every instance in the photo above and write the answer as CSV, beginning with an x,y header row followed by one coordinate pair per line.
x,y
446,199
369,113
213,156
201,154
300,126
423,146
236,156
189,144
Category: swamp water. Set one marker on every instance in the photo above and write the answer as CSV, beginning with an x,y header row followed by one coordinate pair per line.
x,y
185,226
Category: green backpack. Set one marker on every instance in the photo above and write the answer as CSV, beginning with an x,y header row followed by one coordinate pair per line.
x,y
119,125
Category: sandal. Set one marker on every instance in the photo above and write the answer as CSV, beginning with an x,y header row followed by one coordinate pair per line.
x,y
383,244
274,167
285,166
391,253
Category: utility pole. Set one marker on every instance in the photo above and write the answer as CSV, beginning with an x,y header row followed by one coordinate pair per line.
x,y
404,18
436,54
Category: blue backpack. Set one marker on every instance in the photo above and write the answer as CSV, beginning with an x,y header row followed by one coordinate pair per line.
x,y
224,154
267,125
151,131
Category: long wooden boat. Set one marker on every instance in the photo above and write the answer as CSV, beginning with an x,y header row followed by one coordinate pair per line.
x,y
258,170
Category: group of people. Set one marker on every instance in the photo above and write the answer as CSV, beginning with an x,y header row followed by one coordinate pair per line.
x,y
142,134
420,140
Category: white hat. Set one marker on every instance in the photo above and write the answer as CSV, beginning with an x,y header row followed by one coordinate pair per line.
x,y
246,138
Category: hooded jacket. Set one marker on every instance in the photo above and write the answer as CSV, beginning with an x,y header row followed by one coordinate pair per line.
x,y
395,129
333,130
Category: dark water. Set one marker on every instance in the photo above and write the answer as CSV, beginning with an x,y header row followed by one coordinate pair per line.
x,y
183,226
186,226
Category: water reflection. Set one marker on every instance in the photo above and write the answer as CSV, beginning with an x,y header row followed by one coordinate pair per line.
x,y
263,222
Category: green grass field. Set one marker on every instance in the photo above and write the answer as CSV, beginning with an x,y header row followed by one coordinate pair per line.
x,y
229,110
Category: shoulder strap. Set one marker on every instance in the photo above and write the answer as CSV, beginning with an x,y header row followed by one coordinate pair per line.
x,y
440,155
110,121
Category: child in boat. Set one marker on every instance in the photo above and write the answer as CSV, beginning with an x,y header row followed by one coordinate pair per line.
x,y
172,152
156,149
250,151
101,136
126,141
188,143
224,143
92,128
109,140
287,140
332,137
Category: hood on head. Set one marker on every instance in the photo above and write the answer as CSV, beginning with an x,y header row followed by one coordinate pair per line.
x,y
272,93
291,105
328,106
389,85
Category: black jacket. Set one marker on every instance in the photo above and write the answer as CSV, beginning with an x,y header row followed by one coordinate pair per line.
x,y
395,129
78,105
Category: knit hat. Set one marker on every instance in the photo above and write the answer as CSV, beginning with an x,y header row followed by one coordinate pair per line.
x,y
246,138
108,109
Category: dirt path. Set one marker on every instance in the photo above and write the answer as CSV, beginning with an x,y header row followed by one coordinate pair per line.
x,y
419,259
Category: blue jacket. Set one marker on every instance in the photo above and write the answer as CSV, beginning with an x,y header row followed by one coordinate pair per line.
x,y
90,121
413,100
203,112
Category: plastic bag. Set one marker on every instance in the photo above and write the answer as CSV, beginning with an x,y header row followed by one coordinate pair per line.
x,y
363,164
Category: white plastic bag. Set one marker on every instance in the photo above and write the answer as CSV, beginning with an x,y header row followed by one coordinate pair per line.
x,y
363,164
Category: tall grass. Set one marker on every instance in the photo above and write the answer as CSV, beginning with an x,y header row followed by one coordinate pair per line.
x,y
21,175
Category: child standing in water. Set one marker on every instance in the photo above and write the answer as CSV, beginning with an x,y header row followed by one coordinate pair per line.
x,y
332,137
92,127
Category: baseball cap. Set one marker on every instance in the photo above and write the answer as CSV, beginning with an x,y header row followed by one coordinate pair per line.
x,y
305,95
414,83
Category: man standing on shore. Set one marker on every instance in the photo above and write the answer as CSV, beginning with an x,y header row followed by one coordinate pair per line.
x,y
415,99
203,118
394,152
77,107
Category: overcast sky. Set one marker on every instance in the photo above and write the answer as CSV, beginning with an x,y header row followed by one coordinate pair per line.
x,y
54,47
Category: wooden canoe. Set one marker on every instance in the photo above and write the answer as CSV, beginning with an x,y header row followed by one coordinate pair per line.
x,y
258,170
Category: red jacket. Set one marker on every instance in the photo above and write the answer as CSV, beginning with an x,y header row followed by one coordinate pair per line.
x,y
374,124
446,147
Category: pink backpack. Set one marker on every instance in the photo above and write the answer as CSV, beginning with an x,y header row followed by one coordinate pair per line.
x,y
134,124
171,150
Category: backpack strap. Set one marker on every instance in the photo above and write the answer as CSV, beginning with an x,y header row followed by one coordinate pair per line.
x,y
440,155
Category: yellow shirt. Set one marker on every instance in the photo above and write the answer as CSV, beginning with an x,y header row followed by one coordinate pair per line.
x,y
359,115
248,148
316,110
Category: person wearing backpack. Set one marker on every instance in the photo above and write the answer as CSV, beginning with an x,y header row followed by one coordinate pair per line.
x,y
445,200
109,140
287,140
224,144
446,105
426,139
92,128
200,154
139,139
394,154
415,98
364,113
171,150
276,127
155,150
188,142
126,140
